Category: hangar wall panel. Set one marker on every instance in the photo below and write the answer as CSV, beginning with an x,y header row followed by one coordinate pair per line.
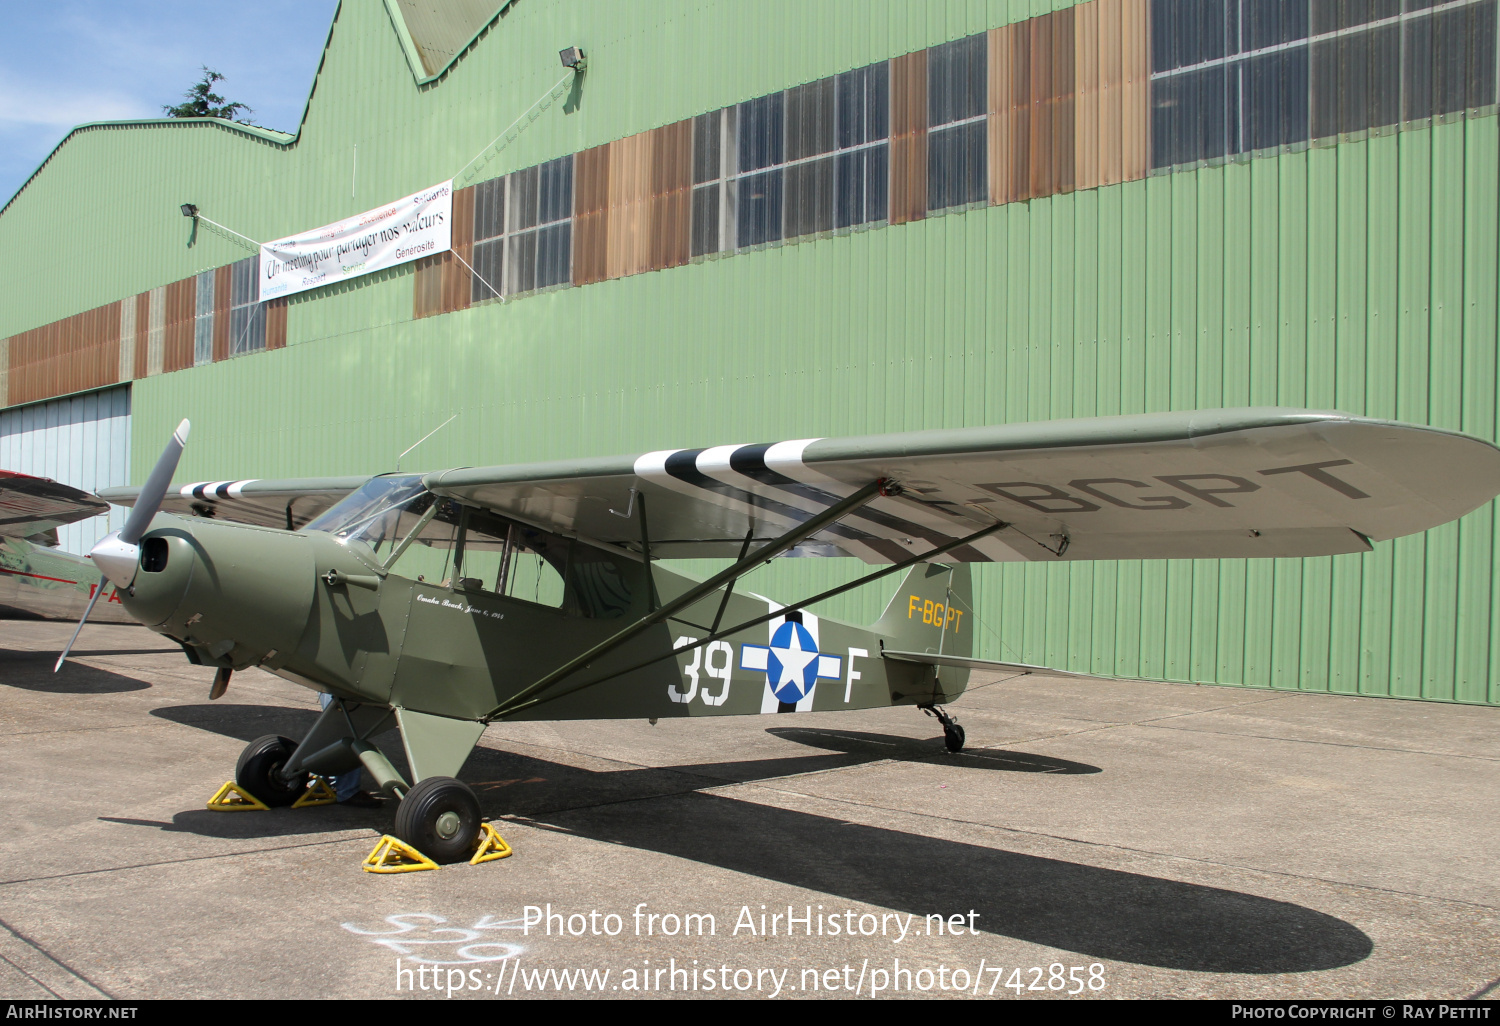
x,y
83,441
1341,277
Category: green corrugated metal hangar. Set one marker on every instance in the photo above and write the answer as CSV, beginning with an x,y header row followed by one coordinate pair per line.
x,y
776,220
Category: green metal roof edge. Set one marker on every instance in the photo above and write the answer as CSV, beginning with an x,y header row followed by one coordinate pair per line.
x,y
270,135
409,45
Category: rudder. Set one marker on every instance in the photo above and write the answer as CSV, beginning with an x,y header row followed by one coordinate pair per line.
x,y
931,611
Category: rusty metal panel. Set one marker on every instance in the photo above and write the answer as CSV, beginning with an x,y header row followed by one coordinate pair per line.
x,y
427,287
1135,90
909,137
276,323
1089,77
629,243
1052,120
591,215
671,189
1010,112
177,343
458,280
71,355
147,334
223,284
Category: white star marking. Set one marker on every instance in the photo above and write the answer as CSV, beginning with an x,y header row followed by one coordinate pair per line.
x,y
793,661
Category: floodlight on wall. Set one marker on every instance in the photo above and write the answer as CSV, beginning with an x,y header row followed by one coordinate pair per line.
x,y
189,210
573,58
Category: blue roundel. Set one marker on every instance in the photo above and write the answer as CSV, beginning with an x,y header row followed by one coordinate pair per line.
x,y
792,663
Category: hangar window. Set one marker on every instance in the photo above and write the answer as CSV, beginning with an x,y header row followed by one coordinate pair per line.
x,y
713,142
957,123
1238,76
489,242
203,320
809,160
862,182
762,144
523,231
247,318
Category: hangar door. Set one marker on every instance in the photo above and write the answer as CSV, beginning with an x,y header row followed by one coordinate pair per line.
x,y
83,441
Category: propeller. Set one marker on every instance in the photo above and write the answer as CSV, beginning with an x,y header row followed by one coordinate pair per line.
x,y
119,553
79,629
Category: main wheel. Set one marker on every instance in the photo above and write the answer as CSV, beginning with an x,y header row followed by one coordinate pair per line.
x,y
440,818
953,737
256,771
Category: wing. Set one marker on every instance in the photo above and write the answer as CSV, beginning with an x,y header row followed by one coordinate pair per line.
x,y
31,506
287,504
1205,484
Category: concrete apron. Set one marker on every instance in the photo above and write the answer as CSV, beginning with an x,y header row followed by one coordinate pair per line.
x,y
1165,840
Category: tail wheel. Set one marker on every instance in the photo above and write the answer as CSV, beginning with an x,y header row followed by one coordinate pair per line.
x,y
953,737
440,818
258,770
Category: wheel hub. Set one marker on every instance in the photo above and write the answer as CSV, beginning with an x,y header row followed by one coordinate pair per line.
x,y
447,825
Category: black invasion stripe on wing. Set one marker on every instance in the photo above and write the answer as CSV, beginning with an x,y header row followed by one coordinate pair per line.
x,y
683,465
750,460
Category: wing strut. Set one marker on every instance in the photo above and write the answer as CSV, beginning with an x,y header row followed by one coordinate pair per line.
x,y
741,567
524,699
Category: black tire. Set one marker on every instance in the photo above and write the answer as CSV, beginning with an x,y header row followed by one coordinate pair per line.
x,y
256,770
440,818
953,737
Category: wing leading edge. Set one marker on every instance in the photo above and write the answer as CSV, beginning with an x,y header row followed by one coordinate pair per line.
x,y
286,504
1265,482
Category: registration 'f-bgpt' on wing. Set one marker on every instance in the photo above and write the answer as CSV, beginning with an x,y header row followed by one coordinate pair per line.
x,y
442,602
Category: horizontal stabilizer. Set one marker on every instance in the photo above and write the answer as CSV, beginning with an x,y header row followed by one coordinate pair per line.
x,y
969,662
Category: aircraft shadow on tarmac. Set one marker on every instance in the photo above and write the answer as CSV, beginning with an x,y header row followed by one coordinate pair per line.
x,y
1100,913
32,671
906,749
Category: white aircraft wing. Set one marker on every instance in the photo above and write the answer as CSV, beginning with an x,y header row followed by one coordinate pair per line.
x,y
1217,483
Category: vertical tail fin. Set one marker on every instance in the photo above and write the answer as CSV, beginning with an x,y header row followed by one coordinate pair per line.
x,y
931,611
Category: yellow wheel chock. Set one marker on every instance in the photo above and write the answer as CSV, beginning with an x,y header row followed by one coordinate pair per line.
x,y
491,846
233,798
318,794
392,855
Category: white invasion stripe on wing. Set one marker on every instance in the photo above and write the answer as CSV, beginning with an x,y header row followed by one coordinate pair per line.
x,y
653,467
786,458
715,463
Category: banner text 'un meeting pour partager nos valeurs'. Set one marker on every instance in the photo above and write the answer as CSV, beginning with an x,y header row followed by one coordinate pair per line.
x,y
419,225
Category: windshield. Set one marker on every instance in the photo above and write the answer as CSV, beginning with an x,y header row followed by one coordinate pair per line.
x,y
384,512
367,511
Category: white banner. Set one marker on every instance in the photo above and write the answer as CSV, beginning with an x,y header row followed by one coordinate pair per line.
x,y
417,226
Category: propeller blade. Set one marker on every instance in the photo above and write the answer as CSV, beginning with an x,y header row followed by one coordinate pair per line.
x,y
79,629
155,488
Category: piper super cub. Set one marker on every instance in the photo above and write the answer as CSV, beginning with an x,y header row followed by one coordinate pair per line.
x,y
442,602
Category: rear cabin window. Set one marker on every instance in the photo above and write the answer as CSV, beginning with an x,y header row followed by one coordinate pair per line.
x,y
476,551
502,557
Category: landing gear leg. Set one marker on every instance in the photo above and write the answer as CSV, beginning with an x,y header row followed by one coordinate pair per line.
x,y
953,733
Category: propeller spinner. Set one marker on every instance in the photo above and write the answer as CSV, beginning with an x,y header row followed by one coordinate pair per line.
x,y
118,554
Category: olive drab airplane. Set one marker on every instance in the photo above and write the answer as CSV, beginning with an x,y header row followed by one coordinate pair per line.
x,y
438,603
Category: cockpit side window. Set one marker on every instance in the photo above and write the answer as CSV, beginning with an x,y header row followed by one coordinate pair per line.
x,y
503,557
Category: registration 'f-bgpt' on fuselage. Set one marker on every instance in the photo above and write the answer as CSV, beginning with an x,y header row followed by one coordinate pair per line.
x,y
441,602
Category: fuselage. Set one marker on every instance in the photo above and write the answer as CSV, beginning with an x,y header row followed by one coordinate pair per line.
x,y
327,611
